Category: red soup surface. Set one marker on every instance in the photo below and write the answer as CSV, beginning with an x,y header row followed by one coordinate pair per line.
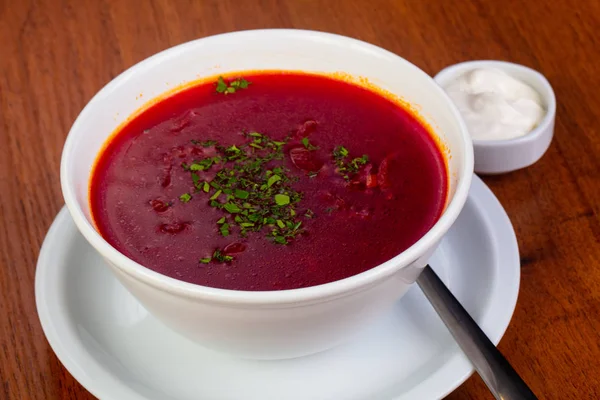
x,y
267,182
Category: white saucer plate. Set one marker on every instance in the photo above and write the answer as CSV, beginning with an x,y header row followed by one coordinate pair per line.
x,y
116,350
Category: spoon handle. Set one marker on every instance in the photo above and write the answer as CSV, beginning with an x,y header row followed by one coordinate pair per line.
x,y
497,373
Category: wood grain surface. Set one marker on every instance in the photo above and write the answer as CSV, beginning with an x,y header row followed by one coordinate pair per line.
x,y
55,55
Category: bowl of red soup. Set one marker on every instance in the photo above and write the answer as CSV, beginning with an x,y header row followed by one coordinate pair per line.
x,y
267,193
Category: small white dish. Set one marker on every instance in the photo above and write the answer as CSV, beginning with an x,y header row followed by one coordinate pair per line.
x,y
117,350
500,156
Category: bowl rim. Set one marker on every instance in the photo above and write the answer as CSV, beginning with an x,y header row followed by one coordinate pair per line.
x,y
304,295
548,96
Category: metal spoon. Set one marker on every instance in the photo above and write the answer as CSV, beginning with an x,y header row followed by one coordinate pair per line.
x,y
497,373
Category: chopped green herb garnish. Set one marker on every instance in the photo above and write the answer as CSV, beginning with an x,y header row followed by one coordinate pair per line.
x,y
282,199
272,180
216,195
241,194
219,256
356,163
347,168
232,208
224,229
224,87
221,85
196,180
243,83
340,152
205,260
258,190
307,144
185,197
309,213
280,239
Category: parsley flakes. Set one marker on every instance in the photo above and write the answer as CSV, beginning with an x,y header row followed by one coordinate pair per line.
x,y
184,198
231,87
251,196
346,167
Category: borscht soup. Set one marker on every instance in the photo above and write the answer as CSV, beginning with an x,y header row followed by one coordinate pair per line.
x,y
268,181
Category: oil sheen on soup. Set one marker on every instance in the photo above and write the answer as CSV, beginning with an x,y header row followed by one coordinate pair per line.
x,y
268,181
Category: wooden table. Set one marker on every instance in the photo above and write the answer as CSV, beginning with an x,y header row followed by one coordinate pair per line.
x,y
55,55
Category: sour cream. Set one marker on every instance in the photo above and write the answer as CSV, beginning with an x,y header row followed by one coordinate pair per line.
x,y
495,105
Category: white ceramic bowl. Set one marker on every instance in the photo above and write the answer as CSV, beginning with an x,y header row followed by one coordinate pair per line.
x,y
276,324
500,156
